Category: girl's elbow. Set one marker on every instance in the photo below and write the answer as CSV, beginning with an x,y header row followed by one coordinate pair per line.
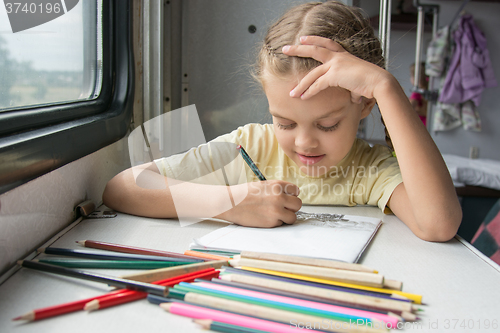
x,y
442,230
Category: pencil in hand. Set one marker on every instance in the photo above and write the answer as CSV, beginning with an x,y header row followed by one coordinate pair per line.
x,y
251,163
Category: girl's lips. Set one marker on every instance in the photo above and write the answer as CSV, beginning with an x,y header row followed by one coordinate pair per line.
x,y
309,160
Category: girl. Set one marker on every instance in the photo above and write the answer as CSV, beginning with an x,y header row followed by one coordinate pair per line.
x,y
321,68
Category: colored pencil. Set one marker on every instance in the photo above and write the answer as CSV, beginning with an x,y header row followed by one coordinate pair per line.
x,y
306,261
290,304
231,270
112,264
251,163
278,315
216,326
108,256
205,255
60,309
393,321
130,249
115,299
363,301
407,316
359,278
414,297
199,312
165,273
117,282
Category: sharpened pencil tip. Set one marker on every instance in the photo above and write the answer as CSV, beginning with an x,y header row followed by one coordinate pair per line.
x,y
166,306
239,147
82,242
205,323
40,250
17,318
92,305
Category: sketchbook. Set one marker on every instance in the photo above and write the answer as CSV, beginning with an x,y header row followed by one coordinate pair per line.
x,y
342,239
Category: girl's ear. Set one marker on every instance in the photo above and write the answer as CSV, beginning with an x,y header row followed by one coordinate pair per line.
x,y
368,104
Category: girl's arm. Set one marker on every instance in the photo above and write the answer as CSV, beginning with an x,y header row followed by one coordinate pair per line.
x,y
426,200
143,191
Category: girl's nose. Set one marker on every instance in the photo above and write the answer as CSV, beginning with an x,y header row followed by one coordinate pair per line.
x,y
306,141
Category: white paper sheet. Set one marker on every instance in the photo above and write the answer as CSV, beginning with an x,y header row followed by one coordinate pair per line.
x,y
342,240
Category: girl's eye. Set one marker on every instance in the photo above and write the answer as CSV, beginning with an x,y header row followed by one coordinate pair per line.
x,y
285,127
329,129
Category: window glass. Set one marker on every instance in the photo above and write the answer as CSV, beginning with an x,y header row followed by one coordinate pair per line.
x,y
50,52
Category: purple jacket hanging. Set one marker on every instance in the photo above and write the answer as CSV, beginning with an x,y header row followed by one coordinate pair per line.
x,y
470,71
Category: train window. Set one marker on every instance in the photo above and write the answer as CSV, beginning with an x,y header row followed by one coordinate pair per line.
x,y
66,82
58,61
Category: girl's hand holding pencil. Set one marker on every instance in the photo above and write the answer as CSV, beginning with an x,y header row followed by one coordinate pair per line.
x,y
267,204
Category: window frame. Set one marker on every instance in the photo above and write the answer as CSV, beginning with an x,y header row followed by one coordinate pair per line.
x,y
37,140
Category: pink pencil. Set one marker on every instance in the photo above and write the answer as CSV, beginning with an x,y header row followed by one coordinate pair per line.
x,y
393,321
198,312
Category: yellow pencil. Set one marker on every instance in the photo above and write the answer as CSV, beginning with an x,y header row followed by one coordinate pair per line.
x,y
414,297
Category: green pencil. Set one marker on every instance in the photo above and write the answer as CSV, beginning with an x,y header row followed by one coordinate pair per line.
x,y
113,264
216,326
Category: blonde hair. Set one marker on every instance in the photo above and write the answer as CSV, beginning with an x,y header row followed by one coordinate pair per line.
x,y
333,20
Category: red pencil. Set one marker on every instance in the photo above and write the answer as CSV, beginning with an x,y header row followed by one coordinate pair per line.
x,y
133,250
116,299
60,309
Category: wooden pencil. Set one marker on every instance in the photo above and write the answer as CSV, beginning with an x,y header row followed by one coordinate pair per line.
x,y
280,315
112,264
217,326
200,312
331,285
325,311
306,261
64,308
368,302
414,297
407,316
59,309
131,249
113,281
79,253
115,299
205,255
165,273
344,312
360,278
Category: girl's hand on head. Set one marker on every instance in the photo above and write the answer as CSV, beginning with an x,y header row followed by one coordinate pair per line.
x,y
339,69
266,204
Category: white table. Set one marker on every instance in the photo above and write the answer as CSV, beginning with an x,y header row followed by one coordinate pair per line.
x,y
461,287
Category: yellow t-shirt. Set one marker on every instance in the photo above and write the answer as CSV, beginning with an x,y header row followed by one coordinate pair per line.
x,y
365,176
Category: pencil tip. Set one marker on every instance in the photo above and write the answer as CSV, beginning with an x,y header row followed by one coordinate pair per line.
x,y
239,147
92,305
205,323
40,250
20,262
166,306
82,242
17,318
